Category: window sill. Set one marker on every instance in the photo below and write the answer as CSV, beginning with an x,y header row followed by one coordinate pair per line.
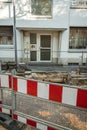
x,y
77,50
6,46
40,17
78,7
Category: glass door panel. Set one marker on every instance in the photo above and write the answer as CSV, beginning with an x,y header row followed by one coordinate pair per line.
x,y
33,55
45,47
33,47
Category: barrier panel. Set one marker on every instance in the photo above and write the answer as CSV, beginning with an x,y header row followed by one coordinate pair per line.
x,y
0,98
45,106
53,92
5,94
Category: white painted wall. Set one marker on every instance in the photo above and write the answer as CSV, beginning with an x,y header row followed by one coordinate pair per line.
x,y
55,45
19,43
78,17
64,43
5,53
59,18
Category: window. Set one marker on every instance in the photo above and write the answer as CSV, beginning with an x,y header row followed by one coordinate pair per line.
x,y
6,40
78,38
77,3
45,40
41,7
6,35
82,2
32,38
33,8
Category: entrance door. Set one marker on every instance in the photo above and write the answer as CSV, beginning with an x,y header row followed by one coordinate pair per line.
x,y
37,46
30,46
45,47
33,47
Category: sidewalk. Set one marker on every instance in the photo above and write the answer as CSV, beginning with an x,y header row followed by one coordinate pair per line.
x,y
52,68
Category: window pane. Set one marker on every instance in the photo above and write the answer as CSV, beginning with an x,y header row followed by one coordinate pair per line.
x,y
10,40
45,54
33,55
41,7
45,40
32,38
6,40
78,38
6,31
78,3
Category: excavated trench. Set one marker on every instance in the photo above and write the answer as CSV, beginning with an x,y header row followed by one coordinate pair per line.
x,y
74,78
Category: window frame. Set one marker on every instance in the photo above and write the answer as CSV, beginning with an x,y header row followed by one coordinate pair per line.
x,y
4,46
78,4
41,16
78,48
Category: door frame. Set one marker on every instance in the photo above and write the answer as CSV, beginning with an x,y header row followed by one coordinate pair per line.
x,y
39,47
27,41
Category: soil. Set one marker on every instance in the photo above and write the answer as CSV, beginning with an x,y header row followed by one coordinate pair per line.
x,y
2,128
73,78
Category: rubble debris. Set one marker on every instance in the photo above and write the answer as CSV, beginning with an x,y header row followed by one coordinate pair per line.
x,y
74,78
77,78
83,69
56,77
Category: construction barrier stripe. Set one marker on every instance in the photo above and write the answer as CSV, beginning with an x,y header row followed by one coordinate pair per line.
x,y
54,92
0,102
82,98
10,81
49,91
0,109
5,81
32,123
6,111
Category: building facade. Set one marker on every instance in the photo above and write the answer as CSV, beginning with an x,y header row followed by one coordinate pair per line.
x,y
46,31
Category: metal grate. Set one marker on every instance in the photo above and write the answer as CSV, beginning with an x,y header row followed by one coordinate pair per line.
x,y
33,55
32,38
45,54
7,97
45,40
52,112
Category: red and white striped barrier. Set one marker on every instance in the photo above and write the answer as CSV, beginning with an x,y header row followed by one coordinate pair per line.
x,y
67,95
54,92
32,123
5,81
6,111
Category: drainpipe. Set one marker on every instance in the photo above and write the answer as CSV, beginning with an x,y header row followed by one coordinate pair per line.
x,y
14,34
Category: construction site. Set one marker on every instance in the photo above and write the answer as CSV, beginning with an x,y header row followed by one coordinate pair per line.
x,y
58,115
43,64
